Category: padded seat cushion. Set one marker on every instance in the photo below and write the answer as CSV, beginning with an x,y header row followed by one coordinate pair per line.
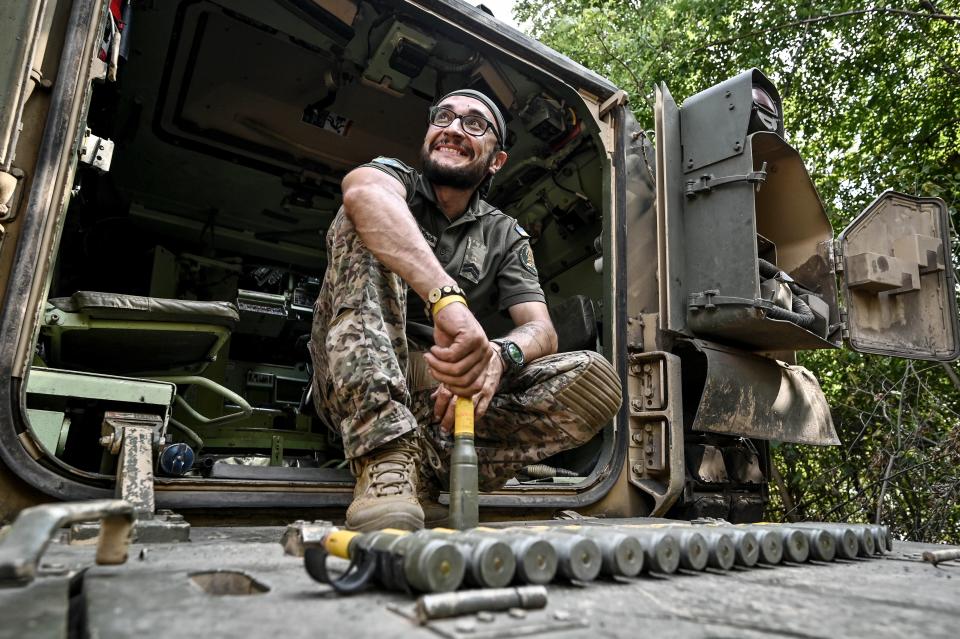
x,y
115,306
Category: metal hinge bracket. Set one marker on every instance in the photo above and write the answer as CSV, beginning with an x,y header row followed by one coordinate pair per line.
x,y
96,151
836,256
708,182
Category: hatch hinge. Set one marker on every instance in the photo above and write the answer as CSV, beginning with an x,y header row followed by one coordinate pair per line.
x,y
96,151
708,182
844,327
836,256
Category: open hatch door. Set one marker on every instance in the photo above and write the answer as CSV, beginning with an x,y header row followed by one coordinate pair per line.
x,y
898,281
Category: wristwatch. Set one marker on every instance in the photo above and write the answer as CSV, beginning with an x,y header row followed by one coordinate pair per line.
x,y
437,294
511,355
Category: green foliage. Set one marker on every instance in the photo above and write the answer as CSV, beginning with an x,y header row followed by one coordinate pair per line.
x,y
870,97
872,101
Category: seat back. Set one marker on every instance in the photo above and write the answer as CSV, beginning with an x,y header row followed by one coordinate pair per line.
x,y
134,335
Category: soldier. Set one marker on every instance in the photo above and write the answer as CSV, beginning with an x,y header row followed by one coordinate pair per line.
x,y
389,394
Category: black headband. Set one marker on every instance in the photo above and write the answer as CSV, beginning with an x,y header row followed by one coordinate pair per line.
x,y
487,102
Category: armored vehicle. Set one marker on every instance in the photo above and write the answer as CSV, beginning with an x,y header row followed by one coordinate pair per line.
x,y
169,170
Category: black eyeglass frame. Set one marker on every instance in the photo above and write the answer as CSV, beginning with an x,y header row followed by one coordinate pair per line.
x,y
456,116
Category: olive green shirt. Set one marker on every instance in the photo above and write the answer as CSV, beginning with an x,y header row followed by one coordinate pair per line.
x,y
485,250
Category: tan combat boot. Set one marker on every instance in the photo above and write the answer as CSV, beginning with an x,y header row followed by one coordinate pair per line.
x,y
385,495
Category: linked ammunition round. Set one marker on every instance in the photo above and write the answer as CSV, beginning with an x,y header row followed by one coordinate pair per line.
x,y
704,546
464,477
622,555
536,560
490,562
429,565
868,543
823,547
578,557
661,548
796,546
869,537
747,546
435,566
770,545
721,549
694,552
846,541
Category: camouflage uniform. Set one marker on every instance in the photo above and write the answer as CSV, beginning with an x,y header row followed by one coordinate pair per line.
x,y
373,388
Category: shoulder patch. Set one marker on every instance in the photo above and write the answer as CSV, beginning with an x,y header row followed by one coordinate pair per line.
x,y
392,163
525,253
520,230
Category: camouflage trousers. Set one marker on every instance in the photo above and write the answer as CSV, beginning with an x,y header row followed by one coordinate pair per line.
x,y
372,388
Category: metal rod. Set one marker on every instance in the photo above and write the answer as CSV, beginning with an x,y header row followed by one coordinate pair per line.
x,y
470,601
937,556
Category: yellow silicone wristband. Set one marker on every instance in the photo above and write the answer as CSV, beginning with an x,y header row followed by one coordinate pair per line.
x,y
443,302
463,417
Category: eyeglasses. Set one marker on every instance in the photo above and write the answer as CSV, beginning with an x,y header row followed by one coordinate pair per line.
x,y
475,125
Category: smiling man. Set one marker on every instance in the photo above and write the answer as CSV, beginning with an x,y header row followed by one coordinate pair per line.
x,y
408,248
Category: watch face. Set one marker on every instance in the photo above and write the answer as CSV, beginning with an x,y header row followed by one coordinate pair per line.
x,y
514,353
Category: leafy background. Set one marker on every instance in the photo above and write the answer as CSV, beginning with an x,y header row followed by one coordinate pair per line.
x,y
872,101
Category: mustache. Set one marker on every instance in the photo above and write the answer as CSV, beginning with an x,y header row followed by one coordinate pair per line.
x,y
446,142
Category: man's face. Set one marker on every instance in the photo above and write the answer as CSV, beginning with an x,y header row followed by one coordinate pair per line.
x,y
451,157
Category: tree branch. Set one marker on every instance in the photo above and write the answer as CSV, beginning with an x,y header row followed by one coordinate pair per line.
x,y
900,447
785,497
827,18
606,49
952,374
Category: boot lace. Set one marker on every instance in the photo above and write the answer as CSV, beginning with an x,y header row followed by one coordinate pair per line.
x,y
392,471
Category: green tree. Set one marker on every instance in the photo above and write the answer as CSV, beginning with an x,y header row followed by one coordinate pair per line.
x,y
872,101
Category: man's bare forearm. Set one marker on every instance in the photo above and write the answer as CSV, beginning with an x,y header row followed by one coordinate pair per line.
x,y
536,338
384,223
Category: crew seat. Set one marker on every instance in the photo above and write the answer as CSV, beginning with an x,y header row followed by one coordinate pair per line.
x,y
135,335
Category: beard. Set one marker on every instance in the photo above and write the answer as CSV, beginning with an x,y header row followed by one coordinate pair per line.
x,y
462,177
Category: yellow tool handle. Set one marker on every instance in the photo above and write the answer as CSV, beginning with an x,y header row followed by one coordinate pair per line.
x,y
337,543
463,417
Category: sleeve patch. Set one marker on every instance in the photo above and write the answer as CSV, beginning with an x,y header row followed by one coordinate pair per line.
x,y
392,163
526,258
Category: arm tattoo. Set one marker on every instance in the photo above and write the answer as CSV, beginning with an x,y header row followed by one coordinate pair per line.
x,y
532,330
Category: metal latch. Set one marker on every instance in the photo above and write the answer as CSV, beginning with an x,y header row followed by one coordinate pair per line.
x,y
31,532
708,182
96,151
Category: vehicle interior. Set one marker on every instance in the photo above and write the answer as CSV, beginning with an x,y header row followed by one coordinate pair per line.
x,y
196,259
